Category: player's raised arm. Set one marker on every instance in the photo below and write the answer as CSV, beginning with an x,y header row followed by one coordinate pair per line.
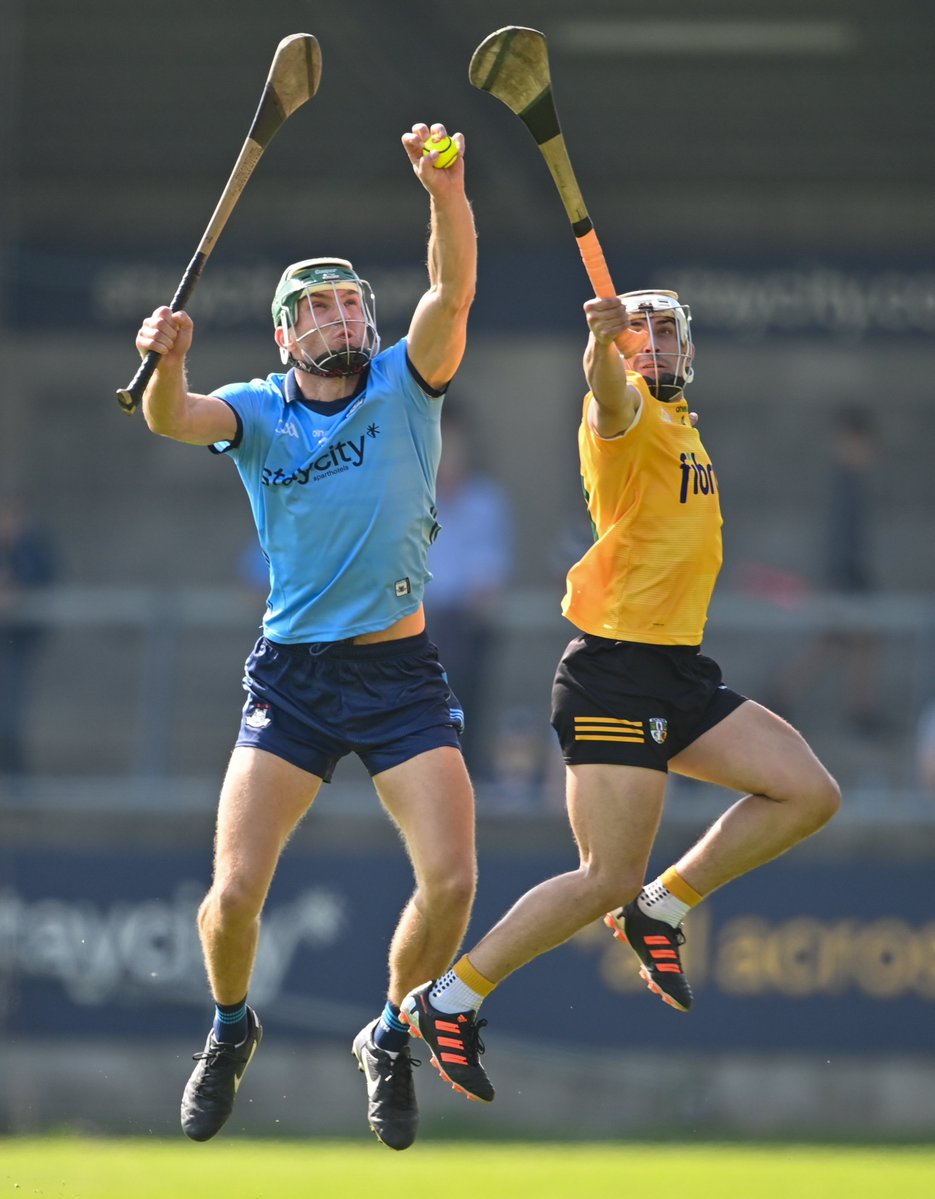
x,y
169,408
438,331
616,401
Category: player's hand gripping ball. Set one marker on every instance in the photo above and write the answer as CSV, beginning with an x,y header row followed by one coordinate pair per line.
x,y
447,151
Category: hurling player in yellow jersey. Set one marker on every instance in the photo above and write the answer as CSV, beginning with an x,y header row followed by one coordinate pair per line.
x,y
634,697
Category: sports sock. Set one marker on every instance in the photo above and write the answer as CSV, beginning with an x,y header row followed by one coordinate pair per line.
x,y
668,898
390,1034
230,1022
462,989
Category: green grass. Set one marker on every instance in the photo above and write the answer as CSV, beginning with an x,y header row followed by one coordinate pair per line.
x,y
237,1169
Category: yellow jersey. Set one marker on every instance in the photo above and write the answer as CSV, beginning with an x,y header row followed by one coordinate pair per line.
x,y
653,501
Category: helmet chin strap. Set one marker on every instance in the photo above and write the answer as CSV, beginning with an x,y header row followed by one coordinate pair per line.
x,y
666,388
329,363
332,364
668,392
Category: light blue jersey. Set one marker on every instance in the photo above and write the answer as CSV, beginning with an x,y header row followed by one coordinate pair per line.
x,y
343,498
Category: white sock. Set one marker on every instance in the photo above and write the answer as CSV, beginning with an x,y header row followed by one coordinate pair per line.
x,y
658,902
451,995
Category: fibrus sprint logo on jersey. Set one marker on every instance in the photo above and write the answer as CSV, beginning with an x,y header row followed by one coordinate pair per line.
x,y
697,478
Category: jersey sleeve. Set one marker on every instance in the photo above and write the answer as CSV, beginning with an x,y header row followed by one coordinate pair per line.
x,y
623,442
404,377
250,405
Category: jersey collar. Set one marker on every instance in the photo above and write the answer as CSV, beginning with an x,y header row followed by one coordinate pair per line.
x,y
293,394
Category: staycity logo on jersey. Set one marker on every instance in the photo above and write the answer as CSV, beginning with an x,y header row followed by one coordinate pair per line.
x,y
335,460
100,954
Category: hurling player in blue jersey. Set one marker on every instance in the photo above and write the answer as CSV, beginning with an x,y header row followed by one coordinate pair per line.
x,y
338,455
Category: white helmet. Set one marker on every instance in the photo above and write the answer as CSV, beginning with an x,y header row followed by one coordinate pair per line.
x,y
646,303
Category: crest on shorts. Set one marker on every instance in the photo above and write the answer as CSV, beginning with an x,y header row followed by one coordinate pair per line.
x,y
258,717
659,729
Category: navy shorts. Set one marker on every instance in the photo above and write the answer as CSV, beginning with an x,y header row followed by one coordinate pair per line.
x,y
312,704
628,704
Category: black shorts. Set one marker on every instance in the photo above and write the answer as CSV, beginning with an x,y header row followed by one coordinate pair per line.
x,y
628,704
312,704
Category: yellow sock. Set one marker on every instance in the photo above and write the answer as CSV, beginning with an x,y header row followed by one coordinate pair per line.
x,y
464,969
668,898
462,989
673,881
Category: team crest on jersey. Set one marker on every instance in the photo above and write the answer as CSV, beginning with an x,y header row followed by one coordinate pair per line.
x,y
258,717
659,729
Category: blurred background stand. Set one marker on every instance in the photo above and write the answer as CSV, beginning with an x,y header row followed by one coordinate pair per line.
x,y
790,204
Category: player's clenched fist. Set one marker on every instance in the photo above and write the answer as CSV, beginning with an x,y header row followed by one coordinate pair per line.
x,y
168,333
609,320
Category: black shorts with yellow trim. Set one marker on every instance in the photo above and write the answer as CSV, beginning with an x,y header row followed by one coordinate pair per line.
x,y
627,704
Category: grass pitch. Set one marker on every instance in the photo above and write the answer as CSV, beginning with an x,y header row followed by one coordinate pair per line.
x,y
237,1169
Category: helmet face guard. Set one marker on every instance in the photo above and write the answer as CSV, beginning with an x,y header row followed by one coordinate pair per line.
x,y
673,370
298,284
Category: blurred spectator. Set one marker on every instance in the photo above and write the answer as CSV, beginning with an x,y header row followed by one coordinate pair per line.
x,y
853,456
853,654
518,763
26,562
471,563
925,750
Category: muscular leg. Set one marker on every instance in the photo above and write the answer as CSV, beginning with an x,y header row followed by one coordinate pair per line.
x,y
432,803
614,813
789,796
262,800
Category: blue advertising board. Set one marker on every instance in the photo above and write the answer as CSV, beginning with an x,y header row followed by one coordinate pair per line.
x,y
748,298
826,956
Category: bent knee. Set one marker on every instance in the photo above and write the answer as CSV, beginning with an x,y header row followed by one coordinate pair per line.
x,y
605,890
827,800
817,797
